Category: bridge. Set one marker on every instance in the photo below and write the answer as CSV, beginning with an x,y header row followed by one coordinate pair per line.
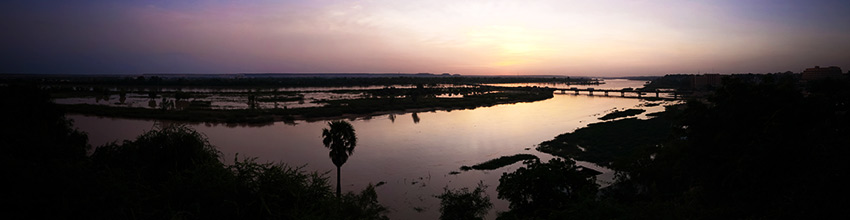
x,y
639,92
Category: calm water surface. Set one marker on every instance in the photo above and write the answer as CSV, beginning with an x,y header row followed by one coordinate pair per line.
x,y
413,153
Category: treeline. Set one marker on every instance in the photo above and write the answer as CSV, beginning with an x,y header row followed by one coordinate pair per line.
x,y
684,82
166,173
281,81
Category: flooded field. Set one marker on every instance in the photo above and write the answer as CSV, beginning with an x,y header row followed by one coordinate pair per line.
x,y
229,99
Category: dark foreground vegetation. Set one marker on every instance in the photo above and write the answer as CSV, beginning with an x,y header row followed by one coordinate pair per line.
x,y
769,148
167,173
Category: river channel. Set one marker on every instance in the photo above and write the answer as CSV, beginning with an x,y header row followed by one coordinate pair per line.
x,y
413,154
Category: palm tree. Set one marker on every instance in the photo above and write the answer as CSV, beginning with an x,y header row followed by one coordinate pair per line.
x,y
340,138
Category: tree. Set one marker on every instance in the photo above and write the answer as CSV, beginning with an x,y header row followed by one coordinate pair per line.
x,y
542,190
340,138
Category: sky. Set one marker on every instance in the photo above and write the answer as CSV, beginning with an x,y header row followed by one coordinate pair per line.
x,y
558,37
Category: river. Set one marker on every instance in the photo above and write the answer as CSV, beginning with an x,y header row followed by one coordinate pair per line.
x,y
413,153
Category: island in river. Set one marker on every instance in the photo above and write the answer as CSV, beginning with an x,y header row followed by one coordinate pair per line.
x,y
263,99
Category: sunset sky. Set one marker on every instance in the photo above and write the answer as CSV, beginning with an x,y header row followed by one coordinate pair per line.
x,y
562,37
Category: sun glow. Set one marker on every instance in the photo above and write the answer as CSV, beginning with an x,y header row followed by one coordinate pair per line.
x,y
509,45
604,37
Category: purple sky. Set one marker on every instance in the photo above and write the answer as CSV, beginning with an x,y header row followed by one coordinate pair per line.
x,y
576,37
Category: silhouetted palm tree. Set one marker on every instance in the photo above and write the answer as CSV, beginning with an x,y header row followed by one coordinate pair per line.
x,y
340,138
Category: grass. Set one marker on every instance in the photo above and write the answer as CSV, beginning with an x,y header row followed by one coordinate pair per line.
x,y
605,143
500,162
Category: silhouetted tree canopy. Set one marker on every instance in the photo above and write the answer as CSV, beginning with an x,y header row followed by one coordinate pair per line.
x,y
464,204
36,129
538,189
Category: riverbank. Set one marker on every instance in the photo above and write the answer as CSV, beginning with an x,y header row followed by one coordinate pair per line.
x,y
605,143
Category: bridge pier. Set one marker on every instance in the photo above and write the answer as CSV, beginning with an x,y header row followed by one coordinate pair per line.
x,y
591,92
606,93
656,94
576,92
622,94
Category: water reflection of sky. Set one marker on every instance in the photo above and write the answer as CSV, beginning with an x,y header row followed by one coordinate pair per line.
x,y
414,157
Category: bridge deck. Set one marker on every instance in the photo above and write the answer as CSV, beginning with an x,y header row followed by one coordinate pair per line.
x,y
639,92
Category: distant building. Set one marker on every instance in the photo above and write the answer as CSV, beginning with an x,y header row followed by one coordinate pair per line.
x,y
821,73
705,80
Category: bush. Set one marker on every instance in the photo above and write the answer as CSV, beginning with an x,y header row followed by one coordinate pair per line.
x,y
463,204
539,189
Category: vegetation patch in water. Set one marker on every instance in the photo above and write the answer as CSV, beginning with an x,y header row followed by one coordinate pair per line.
x,y
500,162
622,114
606,142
